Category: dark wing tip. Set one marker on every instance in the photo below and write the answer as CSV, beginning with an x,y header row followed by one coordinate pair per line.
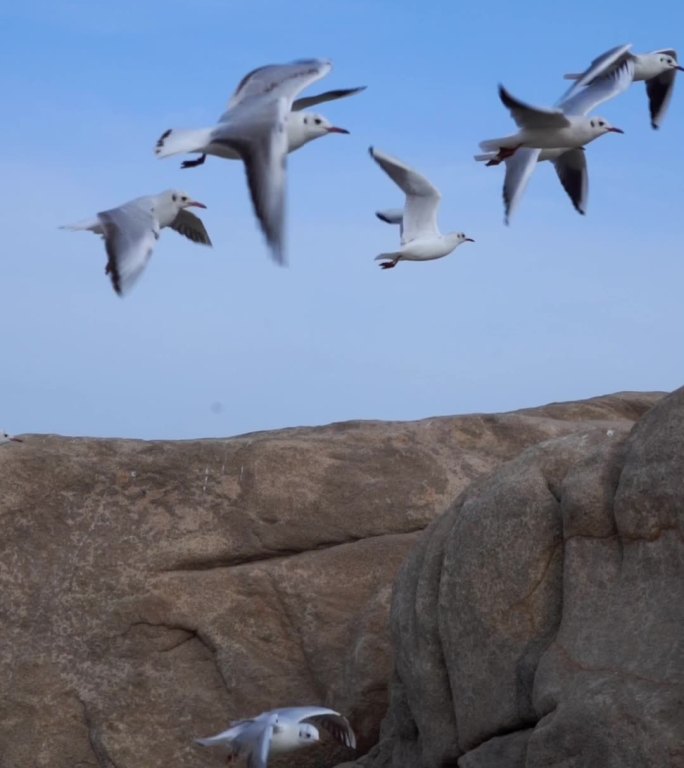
x,y
371,151
507,100
382,218
160,140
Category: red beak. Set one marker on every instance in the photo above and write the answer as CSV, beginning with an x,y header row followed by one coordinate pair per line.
x,y
333,129
196,204
16,439
615,130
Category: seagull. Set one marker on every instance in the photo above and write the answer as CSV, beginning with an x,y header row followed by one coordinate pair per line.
x,y
569,160
278,731
255,128
421,239
566,126
5,438
131,231
658,69
302,127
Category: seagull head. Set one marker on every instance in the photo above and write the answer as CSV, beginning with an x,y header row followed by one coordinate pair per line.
x,y
308,734
183,200
306,126
669,62
600,125
5,438
461,237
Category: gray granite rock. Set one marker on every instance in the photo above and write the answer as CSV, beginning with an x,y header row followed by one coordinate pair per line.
x,y
540,621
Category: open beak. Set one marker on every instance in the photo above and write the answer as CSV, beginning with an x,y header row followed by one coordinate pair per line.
x,y
334,129
468,240
16,440
195,204
615,130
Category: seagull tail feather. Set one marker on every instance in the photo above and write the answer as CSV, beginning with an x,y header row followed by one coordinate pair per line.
x,y
486,156
390,256
173,142
94,225
572,76
494,145
212,741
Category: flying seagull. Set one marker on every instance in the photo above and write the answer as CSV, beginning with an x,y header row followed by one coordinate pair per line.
x,y
657,69
421,239
131,232
255,128
278,731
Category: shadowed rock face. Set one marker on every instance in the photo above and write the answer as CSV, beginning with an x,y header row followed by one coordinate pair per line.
x,y
540,621
152,591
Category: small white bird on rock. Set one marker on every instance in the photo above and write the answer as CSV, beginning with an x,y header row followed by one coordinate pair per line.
x,y
421,239
5,438
131,231
657,69
278,731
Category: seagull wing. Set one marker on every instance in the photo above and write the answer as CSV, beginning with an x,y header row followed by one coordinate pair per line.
x,y
601,89
422,198
599,67
310,101
276,81
259,136
190,226
519,169
130,234
257,757
571,168
526,116
336,724
659,90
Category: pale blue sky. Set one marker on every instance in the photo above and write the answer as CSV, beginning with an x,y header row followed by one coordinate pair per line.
x,y
215,342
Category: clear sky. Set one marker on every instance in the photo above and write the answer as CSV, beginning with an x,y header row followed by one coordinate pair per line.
x,y
215,342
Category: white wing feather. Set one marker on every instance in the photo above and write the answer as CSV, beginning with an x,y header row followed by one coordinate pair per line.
x,y
422,198
130,234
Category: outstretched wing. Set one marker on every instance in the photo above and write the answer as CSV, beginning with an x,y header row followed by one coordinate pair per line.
x,y
599,67
260,138
571,168
191,226
257,756
610,85
422,198
659,90
336,724
527,116
130,234
519,169
310,101
276,81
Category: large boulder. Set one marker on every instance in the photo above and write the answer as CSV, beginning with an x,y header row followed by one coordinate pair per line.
x,y
540,621
152,591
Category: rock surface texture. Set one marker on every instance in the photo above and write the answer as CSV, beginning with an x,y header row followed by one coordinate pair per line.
x,y
152,591
540,621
